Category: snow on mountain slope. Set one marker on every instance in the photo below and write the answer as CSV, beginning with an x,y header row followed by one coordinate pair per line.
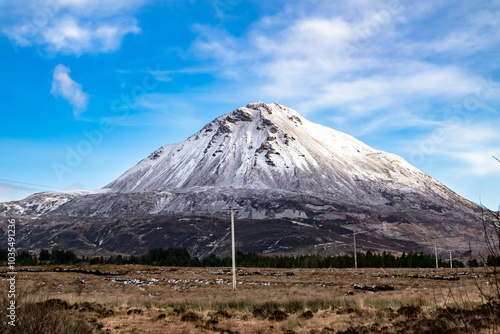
x,y
298,185
269,146
41,203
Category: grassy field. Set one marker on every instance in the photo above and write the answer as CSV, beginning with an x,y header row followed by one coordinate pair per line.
x,y
144,299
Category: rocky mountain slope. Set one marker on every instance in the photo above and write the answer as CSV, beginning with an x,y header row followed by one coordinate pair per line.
x,y
299,187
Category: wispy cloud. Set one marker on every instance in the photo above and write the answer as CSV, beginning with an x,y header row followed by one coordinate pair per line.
x,y
70,26
71,37
65,87
355,58
475,150
467,144
153,109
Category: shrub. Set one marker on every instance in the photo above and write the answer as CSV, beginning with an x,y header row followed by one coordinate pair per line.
x,y
49,317
190,317
278,315
307,315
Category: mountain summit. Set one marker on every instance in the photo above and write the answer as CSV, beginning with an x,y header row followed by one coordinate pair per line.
x,y
269,146
298,185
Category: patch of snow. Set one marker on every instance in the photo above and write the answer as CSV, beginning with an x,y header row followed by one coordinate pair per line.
x,y
301,224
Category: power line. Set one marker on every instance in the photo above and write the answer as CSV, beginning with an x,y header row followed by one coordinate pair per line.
x,y
11,186
26,183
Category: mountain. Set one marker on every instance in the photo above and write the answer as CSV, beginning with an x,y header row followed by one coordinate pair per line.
x,y
299,187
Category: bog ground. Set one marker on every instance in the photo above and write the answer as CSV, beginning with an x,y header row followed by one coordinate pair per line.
x,y
143,299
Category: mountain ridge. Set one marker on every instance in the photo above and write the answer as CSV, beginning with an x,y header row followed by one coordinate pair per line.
x,y
292,179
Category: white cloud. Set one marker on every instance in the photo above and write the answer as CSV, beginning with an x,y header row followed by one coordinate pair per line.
x,y
70,37
306,65
71,26
358,58
469,144
475,150
67,88
391,91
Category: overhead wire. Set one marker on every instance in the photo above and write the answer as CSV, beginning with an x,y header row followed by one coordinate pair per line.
x,y
25,185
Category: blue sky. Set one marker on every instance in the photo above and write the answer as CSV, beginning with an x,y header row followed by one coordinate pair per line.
x,y
91,87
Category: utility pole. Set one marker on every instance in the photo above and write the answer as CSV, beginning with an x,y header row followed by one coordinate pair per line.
x,y
232,249
451,261
354,238
436,252
233,254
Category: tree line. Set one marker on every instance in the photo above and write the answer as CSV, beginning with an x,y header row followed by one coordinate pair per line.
x,y
179,257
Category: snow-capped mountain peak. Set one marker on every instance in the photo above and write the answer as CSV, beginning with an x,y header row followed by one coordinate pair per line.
x,y
298,186
269,146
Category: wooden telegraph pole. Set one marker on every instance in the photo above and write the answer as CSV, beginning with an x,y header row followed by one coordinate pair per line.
x,y
436,252
232,249
354,243
233,253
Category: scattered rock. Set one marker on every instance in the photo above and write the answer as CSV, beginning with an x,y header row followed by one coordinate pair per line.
x,y
435,277
374,288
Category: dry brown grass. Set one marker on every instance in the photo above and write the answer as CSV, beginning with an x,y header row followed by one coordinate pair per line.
x,y
46,317
186,300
